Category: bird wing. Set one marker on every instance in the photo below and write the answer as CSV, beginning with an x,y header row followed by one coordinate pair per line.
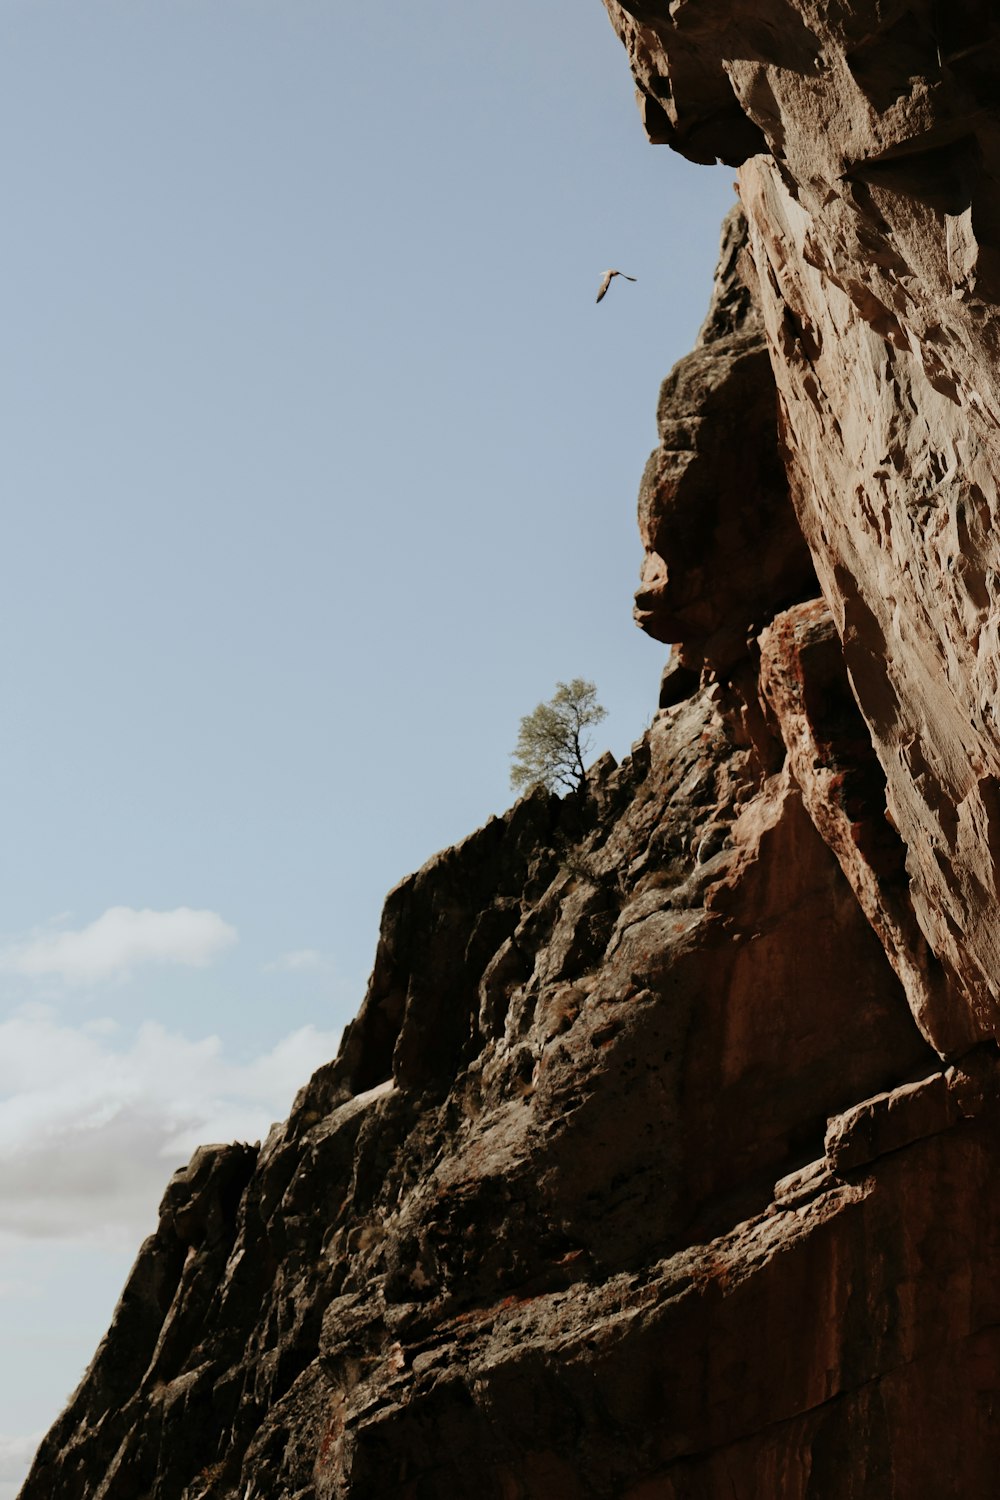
x,y
628,278
605,284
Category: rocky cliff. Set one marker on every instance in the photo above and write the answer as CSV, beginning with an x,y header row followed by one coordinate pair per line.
x,y
659,1161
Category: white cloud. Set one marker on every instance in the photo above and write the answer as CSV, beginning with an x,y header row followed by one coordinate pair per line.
x,y
16,1454
119,940
298,960
91,1124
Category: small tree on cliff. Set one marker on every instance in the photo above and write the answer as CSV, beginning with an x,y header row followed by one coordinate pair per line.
x,y
552,743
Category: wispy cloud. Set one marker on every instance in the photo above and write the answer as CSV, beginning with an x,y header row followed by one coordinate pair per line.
x,y
120,940
91,1126
299,960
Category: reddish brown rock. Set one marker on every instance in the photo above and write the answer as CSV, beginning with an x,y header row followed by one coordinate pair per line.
x,y
869,147
830,754
593,1037
722,546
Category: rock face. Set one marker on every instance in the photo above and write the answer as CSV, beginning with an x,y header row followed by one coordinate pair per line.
x,y
868,144
658,1163
723,548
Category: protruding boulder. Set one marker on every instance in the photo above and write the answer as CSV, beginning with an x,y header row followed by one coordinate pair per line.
x,y
723,549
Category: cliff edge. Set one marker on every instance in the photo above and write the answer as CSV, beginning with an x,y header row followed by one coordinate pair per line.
x,y
658,1162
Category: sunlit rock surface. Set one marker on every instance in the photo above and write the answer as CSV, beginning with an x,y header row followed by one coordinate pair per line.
x,y
660,1161
869,151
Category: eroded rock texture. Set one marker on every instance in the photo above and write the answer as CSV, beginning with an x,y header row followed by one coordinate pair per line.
x,y
659,1163
868,139
596,1036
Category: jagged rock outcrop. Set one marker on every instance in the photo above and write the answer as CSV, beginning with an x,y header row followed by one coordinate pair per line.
x,y
723,547
658,1162
586,1047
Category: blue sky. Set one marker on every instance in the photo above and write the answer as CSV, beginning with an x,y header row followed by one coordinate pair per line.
x,y
319,467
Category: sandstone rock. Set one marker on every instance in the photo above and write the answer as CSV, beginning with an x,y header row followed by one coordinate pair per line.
x,y
890,1121
722,546
870,158
677,682
804,680
635,1066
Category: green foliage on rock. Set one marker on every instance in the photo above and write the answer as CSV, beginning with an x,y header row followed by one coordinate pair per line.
x,y
552,741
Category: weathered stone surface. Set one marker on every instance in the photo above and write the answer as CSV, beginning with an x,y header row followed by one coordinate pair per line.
x,y
869,141
722,546
830,754
890,1121
659,1162
585,1046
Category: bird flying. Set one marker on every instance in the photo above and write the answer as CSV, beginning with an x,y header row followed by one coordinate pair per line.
x,y
607,281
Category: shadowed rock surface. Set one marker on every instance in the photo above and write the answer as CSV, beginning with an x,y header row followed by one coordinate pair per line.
x,y
659,1163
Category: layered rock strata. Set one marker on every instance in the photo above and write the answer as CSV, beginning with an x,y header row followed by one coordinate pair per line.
x,y
658,1163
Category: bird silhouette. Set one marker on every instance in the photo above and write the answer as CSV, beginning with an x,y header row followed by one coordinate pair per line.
x,y
607,281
